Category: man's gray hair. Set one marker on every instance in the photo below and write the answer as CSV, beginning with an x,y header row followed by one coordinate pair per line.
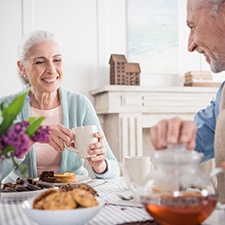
x,y
31,39
212,6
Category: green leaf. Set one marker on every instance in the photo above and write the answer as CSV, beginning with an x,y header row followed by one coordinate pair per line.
x,y
31,119
34,125
11,111
23,169
7,149
2,106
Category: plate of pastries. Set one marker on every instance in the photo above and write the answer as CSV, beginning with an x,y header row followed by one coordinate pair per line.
x,y
58,179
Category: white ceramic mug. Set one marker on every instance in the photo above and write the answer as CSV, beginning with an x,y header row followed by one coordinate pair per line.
x,y
84,137
138,167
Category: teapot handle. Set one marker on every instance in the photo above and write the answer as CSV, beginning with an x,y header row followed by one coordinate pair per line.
x,y
216,170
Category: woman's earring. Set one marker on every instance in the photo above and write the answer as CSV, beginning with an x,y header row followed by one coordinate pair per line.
x,y
24,77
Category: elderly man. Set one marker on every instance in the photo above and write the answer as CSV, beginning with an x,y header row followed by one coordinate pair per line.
x,y
206,20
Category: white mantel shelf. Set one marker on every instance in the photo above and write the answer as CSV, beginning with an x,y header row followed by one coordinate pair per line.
x,y
126,110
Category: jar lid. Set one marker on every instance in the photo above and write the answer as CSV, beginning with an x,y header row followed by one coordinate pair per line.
x,y
178,154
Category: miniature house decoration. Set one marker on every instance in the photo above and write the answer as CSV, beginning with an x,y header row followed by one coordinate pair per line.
x,y
122,72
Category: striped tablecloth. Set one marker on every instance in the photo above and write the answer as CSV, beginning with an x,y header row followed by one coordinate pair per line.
x,y
11,213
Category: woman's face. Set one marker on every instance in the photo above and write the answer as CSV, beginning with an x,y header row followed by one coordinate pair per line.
x,y
44,67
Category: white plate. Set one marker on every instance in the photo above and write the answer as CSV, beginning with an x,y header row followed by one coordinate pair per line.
x,y
22,195
79,179
59,217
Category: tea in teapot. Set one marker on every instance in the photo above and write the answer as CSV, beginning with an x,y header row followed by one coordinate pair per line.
x,y
178,192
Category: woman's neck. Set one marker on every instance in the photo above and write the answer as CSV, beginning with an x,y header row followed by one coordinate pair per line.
x,y
44,101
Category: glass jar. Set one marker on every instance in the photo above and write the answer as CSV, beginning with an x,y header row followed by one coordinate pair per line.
x,y
178,191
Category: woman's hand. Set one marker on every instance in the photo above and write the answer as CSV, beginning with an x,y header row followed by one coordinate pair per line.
x,y
98,162
60,135
173,131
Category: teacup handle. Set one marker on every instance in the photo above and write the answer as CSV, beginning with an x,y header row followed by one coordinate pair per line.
x,y
71,148
128,179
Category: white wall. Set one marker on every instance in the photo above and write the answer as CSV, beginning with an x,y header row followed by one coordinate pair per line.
x,y
89,31
10,30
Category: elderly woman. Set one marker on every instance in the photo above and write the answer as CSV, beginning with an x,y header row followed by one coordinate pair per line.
x,y
41,65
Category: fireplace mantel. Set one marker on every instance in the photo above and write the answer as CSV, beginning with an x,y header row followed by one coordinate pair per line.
x,y
126,112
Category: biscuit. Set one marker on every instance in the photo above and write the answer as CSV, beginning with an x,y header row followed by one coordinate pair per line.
x,y
84,198
69,187
38,202
87,188
53,199
66,187
59,201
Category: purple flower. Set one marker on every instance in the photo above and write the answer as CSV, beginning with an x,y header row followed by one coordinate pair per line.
x,y
41,134
17,138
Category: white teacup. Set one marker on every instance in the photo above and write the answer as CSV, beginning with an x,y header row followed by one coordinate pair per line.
x,y
138,167
84,137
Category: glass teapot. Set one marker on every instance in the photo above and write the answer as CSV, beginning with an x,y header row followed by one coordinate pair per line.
x,y
177,192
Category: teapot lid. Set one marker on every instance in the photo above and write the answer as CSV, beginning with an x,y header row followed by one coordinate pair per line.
x,y
178,154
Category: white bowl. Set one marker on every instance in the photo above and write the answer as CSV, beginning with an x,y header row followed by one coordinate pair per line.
x,y
59,217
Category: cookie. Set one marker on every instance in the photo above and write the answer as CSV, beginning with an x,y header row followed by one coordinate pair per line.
x,y
38,202
59,201
66,188
87,188
84,198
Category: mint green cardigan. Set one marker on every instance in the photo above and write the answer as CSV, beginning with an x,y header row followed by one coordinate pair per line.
x,y
77,110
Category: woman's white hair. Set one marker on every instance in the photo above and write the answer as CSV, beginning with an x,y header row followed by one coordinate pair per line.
x,y
31,39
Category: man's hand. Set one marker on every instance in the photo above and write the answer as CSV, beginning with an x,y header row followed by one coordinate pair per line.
x,y
173,131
